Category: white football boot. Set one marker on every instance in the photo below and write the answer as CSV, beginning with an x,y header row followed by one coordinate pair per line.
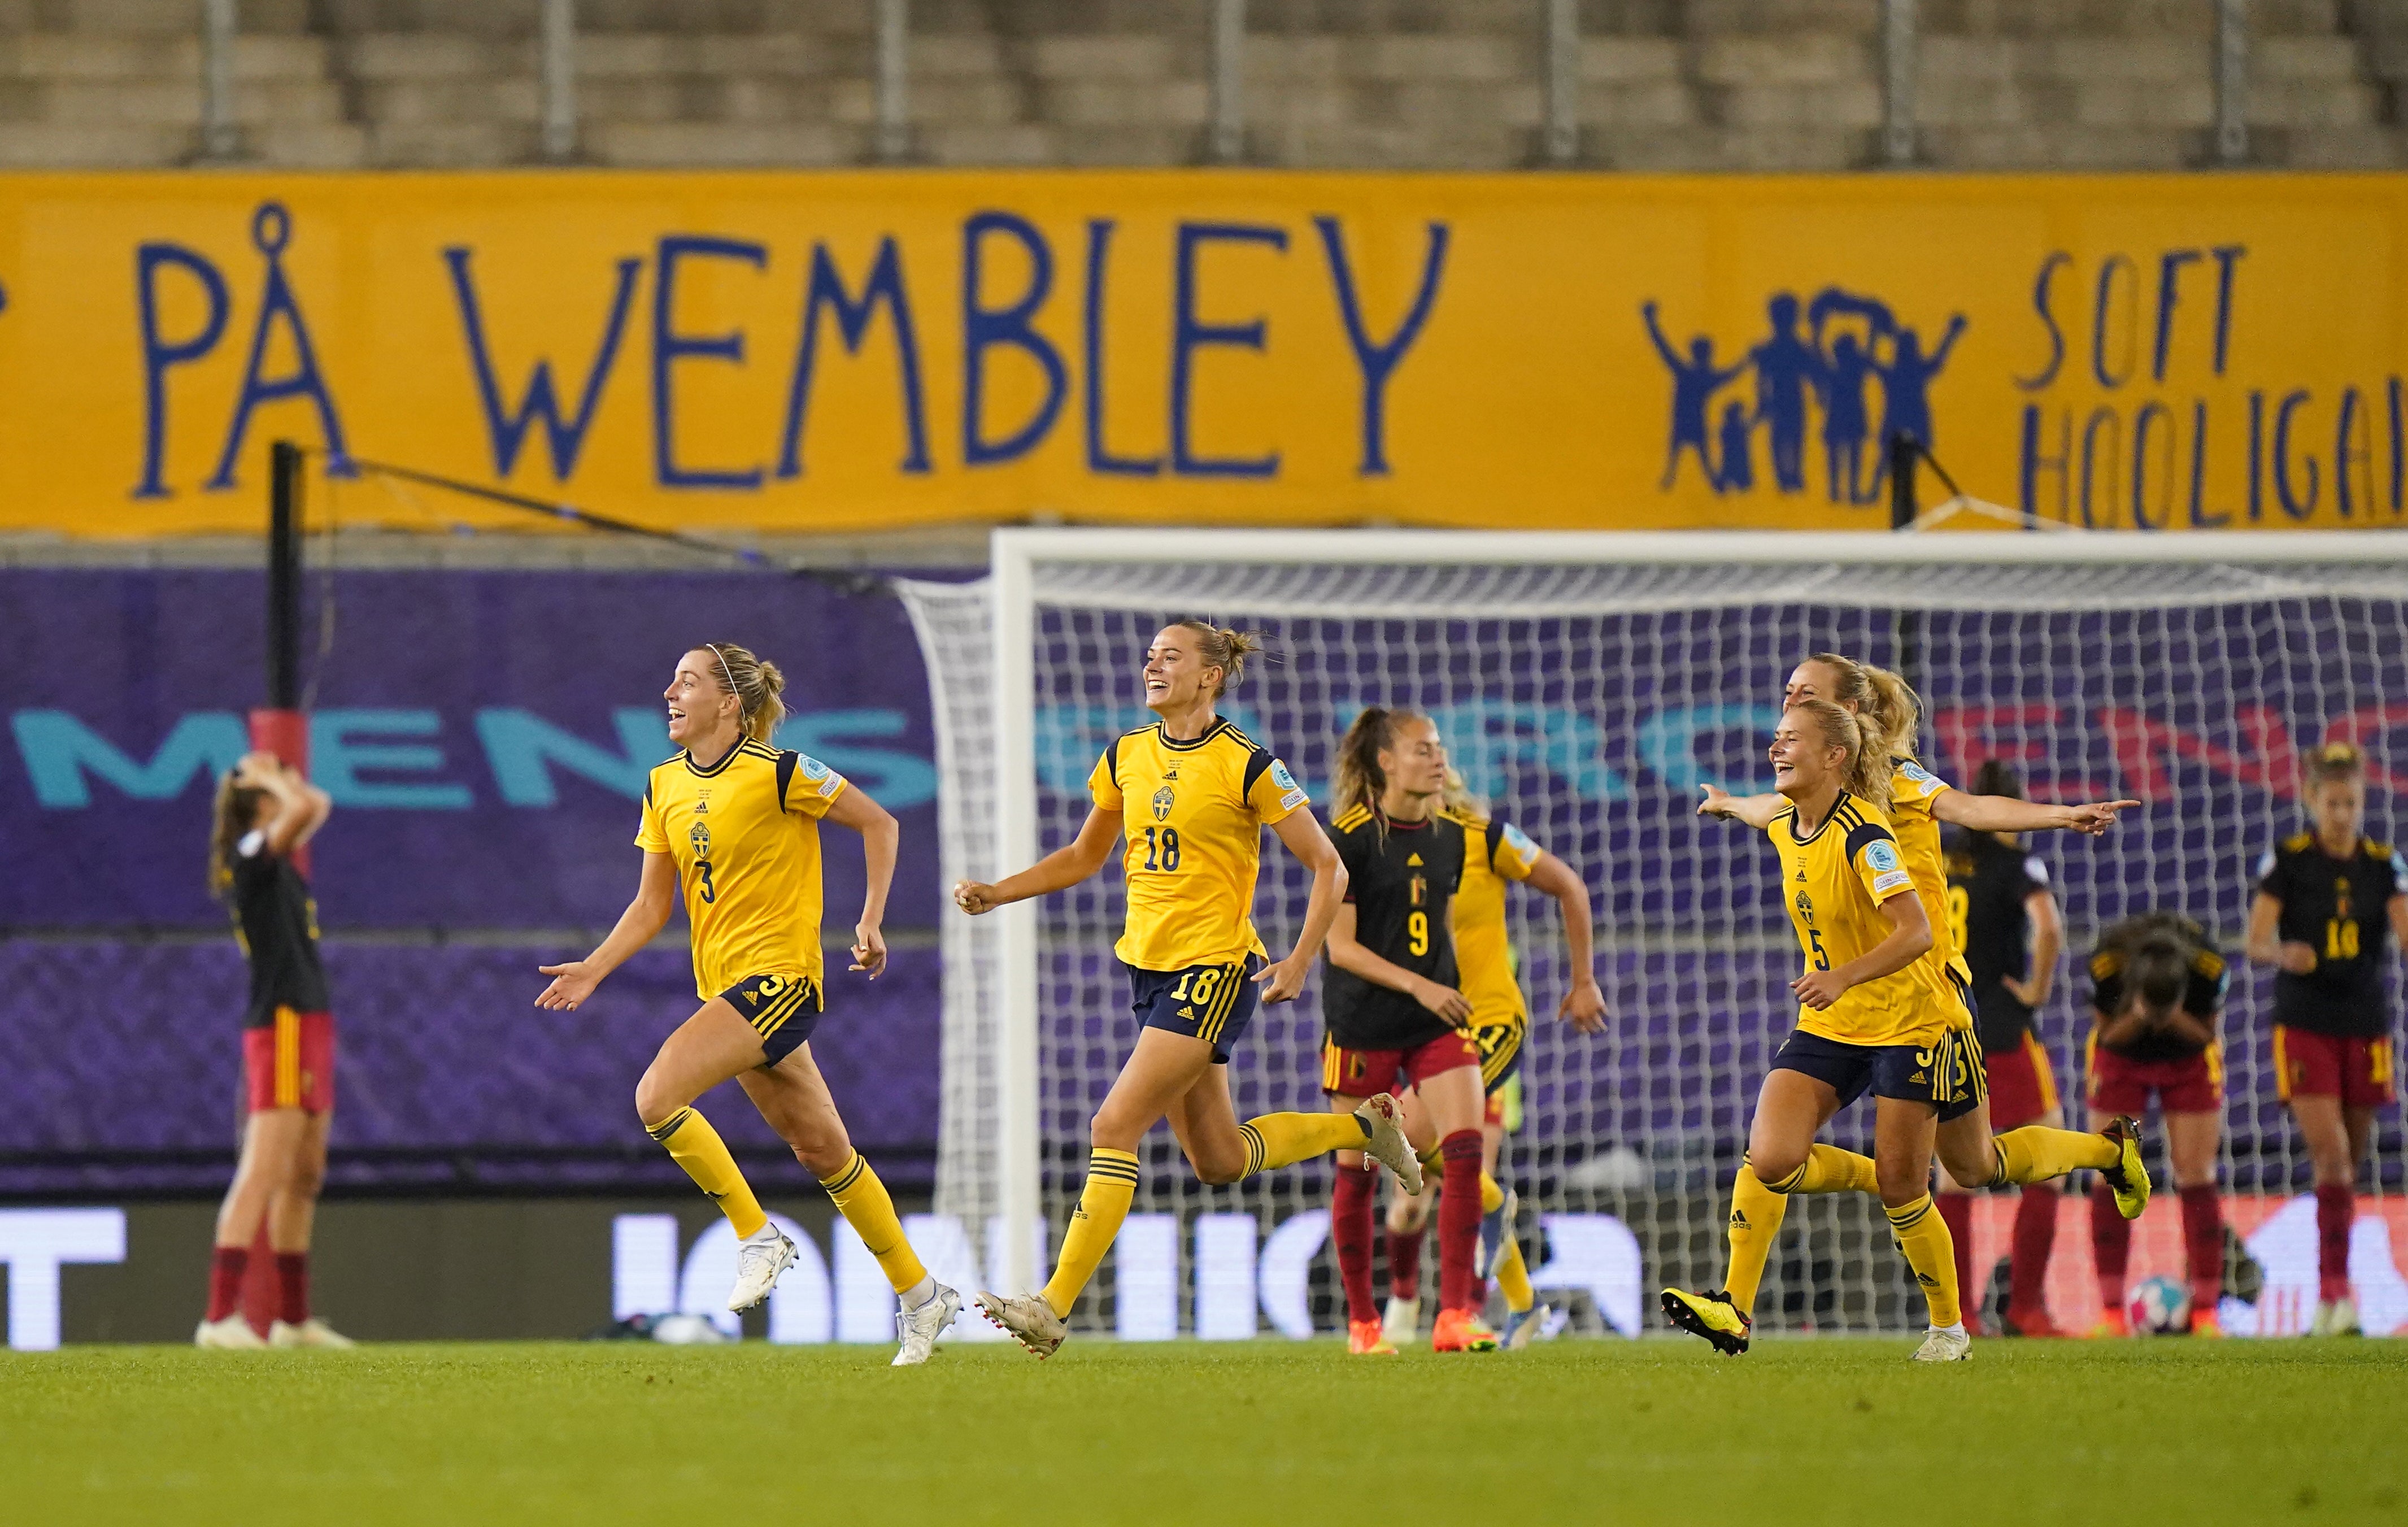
x,y
1387,1144
918,1328
1027,1320
759,1262
1945,1346
311,1333
231,1335
1401,1321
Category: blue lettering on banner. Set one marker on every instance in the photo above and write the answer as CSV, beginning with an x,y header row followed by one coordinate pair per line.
x,y
669,346
1379,361
59,750
1492,740
1012,326
271,231
523,749
1189,334
159,353
1099,457
506,429
336,761
884,285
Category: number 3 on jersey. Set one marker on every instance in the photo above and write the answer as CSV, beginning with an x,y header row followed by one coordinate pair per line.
x,y
1162,848
702,868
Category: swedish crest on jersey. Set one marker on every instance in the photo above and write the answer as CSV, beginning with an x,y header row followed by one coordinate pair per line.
x,y
1163,800
698,838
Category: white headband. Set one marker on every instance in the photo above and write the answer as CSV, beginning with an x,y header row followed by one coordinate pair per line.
x,y
723,671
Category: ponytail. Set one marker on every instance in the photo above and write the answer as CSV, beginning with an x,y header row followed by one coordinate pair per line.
x,y
1360,780
1888,714
1223,649
757,685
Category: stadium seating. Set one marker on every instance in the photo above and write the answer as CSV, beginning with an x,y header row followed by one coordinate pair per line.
x,y
1664,85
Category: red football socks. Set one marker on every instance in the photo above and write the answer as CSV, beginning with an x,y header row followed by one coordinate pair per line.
x,y
1956,1213
227,1263
293,1287
1404,1263
1459,1222
2202,1212
2111,1244
2336,1207
1350,1232
2035,1238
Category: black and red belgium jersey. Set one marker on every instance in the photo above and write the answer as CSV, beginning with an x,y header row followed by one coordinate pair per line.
x,y
277,925
1989,883
2202,995
2342,909
1399,879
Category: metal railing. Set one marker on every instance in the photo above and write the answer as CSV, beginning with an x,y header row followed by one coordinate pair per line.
x,y
1555,26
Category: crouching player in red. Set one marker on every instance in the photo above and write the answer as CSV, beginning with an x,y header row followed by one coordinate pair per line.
x,y
2007,923
265,813
2157,986
2326,899
1392,1010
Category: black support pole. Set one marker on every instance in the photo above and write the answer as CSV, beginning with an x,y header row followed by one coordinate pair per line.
x,y
284,577
1905,454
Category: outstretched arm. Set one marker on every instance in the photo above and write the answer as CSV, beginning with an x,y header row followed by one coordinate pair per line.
x,y
1300,830
878,838
1957,327
1755,810
2005,813
645,916
1663,347
1056,872
1583,1003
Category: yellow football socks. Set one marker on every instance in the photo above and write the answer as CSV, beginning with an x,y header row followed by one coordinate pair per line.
x,y
1285,1139
1830,1170
2036,1154
863,1200
1923,1235
1755,1218
1103,1204
695,1145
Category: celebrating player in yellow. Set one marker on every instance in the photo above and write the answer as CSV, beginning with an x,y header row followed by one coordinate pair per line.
x,y
734,821
1887,709
1868,1018
1190,795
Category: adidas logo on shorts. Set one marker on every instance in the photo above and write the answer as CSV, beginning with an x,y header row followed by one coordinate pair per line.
x,y
1189,1014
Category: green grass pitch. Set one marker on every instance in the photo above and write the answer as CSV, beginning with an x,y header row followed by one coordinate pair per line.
x,y
2124,1432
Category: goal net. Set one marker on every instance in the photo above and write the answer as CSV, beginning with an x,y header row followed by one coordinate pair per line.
x,y
1586,686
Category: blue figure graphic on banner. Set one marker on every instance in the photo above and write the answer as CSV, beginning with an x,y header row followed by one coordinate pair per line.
x,y
1848,343
1694,382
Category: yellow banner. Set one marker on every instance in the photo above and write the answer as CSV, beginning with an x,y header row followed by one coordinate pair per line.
x,y
851,350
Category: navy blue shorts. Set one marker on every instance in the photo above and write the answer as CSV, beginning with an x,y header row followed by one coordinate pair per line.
x,y
1210,1002
1948,1075
781,1009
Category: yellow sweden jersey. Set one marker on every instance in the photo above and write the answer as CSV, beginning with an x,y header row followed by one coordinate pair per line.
x,y
1833,884
1194,814
745,837
1913,789
1493,853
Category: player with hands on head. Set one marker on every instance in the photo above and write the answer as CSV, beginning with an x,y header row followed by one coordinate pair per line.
x,y
1496,853
1869,1018
732,823
1186,799
264,813
2327,902
2156,985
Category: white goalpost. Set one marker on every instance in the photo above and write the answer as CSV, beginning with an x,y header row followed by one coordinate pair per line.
x,y
1586,685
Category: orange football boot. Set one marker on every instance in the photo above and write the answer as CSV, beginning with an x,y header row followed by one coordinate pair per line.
x,y
1366,1339
1460,1330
